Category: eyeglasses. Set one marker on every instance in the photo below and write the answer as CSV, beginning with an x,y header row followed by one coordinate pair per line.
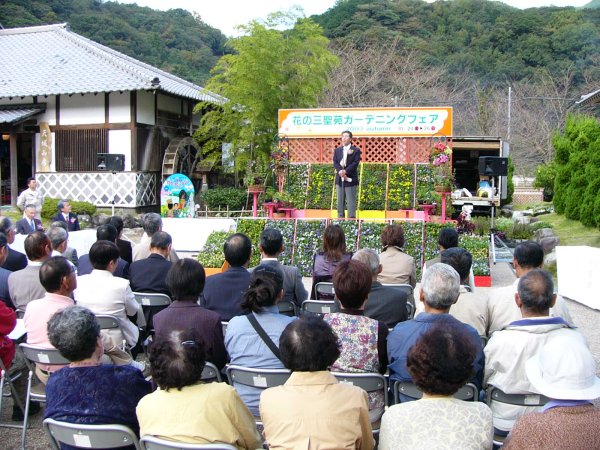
x,y
189,343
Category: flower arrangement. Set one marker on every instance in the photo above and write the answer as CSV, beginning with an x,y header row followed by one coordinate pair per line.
x,y
280,160
441,158
440,154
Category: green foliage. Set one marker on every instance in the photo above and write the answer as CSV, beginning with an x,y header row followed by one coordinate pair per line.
x,y
309,236
479,249
373,180
211,254
252,228
510,185
297,183
223,197
286,227
320,186
50,207
370,235
545,175
400,187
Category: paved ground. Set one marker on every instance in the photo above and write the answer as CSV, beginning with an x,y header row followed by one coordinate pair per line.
x,y
585,318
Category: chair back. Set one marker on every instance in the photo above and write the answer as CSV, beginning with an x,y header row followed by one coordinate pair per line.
x,y
258,378
89,436
495,394
153,443
224,326
111,323
152,299
35,354
287,308
468,392
324,291
367,381
319,307
211,373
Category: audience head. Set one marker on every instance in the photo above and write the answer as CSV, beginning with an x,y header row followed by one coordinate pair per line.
x,y
151,223
185,279
564,369
448,238
102,253
106,232
370,258
161,240
308,345
64,206
392,236
536,293
59,224
30,211
75,333
58,237
7,227
334,242
529,255
117,222
266,288
177,359
237,249
57,274
460,260
441,361
440,287
352,283
37,246
271,241
3,248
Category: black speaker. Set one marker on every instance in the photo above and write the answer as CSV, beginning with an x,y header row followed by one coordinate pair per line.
x,y
111,162
493,166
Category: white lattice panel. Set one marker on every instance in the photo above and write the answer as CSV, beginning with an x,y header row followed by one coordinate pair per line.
x,y
129,189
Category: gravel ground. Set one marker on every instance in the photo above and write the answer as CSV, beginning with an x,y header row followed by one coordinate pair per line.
x,y
585,318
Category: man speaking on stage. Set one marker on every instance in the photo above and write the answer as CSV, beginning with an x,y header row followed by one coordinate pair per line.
x,y
345,160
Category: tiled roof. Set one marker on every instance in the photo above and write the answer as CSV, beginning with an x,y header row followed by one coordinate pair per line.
x,y
14,114
52,60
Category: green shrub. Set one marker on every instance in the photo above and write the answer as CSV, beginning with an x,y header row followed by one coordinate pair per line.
x,y
252,228
211,254
50,207
223,197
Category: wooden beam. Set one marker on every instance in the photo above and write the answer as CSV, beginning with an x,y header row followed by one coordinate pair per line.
x,y
133,128
106,106
14,181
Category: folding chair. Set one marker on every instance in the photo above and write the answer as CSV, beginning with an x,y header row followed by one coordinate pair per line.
x,y
468,392
109,322
210,373
369,382
287,308
318,307
324,291
6,380
224,325
89,436
154,443
257,378
151,303
35,355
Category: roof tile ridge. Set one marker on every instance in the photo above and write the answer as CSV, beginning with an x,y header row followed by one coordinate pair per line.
x,y
34,29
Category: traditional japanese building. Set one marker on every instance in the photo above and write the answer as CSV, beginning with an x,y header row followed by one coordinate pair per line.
x,y
67,102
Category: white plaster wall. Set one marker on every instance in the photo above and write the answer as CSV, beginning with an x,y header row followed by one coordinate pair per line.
x,y
119,109
81,109
169,104
50,114
145,107
119,141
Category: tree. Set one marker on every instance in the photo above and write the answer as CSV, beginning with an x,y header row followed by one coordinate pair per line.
x,y
269,69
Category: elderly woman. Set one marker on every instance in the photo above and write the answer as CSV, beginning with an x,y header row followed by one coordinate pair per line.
x,y
312,410
185,409
396,266
363,340
334,252
86,391
440,362
243,343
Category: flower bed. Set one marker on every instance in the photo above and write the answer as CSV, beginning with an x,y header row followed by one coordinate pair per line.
x,y
320,186
373,182
400,187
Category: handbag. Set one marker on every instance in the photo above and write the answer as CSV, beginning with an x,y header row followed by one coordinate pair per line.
x,y
263,335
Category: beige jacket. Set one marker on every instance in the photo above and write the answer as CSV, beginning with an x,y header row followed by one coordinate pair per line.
x,y
472,308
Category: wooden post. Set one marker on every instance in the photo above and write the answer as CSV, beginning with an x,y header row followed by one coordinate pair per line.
x,y
14,181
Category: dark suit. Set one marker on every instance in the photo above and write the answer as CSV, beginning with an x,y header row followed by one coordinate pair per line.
x,y
85,267
72,223
15,260
24,227
292,282
125,250
71,254
4,293
347,189
386,304
223,292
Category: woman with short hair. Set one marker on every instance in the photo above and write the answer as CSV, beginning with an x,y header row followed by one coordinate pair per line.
x,y
185,409
440,363
396,266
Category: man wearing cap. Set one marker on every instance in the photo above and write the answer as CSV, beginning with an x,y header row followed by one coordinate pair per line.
x,y
509,349
565,371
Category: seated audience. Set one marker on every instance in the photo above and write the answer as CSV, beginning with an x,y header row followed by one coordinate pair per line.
x,y
508,349
244,344
503,310
363,340
104,233
183,408
24,285
325,262
29,224
440,363
439,291
565,371
312,410
151,223
384,303
86,391
270,247
396,266
69,252
125,248
65,215
223,291
4,273
471,307
15,260
185,281
104,293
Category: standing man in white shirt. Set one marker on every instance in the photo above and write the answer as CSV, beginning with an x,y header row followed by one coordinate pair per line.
x,y
31,196
345,161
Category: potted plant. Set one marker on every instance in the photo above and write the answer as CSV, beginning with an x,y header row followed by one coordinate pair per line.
x,y
441,158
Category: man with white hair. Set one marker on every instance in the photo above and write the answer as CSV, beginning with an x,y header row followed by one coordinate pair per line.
x,y
440,288
385,303
151,223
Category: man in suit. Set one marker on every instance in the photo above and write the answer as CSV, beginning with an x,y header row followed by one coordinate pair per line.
x,y
270,247
24,285
65,215
385,303
345,161
151,223
104,233
15,260
29,223
4,274
125,248
223,291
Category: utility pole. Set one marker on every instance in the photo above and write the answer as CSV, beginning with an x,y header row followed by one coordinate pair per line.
x,y
508,118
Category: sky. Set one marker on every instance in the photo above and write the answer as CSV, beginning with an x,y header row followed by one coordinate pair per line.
x,y
226,14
